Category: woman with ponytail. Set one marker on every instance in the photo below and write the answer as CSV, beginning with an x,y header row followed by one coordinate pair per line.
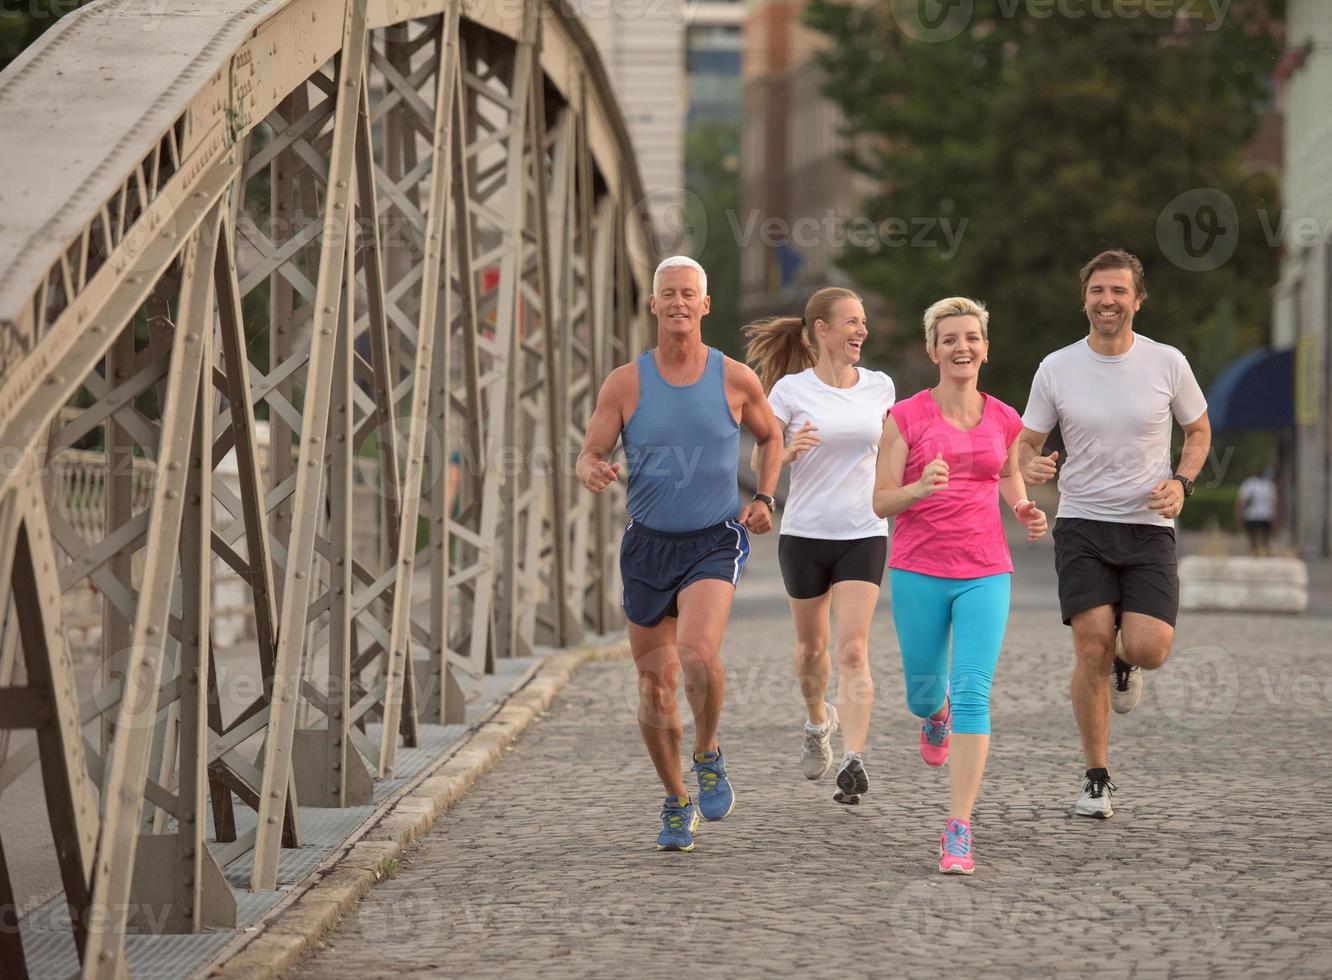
x,y
832,548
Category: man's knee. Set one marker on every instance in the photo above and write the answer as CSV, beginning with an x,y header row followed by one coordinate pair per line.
x,y
658,680
1094,637
1147,654
698,656
1146,640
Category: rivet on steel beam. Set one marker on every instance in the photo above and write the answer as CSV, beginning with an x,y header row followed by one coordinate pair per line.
x,y
300,574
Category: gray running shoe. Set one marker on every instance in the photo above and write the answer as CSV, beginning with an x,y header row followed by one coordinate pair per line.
x,y
852,780
816,754
1125,686
1095,798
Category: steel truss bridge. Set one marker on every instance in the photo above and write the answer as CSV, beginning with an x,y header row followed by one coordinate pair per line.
x,y
292,237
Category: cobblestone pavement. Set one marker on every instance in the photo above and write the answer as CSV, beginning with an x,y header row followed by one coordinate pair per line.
x,y
1214,864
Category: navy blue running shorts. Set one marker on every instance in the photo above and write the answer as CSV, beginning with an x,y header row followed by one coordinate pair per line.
x,y
656,565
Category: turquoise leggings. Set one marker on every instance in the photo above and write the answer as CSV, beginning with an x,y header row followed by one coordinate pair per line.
x,y
925,608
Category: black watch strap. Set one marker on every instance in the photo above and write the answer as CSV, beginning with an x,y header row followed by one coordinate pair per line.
x,y
1186,483
766,500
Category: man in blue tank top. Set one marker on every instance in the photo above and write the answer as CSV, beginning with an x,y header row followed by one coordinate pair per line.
x,y
679,408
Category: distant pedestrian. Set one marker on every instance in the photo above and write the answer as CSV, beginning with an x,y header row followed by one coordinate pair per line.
x,y
832,547
679,408
1256,506
948,454
1113,395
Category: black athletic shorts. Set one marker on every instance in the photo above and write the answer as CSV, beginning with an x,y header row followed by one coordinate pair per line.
x,y
1129,566
810,566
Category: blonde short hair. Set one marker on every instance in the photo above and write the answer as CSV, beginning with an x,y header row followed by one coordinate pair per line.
x,y
954,306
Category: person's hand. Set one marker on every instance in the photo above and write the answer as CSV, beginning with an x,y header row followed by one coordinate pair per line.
x,y
1167,498
934,478
756,516
1031,517
1041,469
801,443
599,475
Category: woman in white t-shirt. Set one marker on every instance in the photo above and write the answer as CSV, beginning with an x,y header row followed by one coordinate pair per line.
x,y
832,547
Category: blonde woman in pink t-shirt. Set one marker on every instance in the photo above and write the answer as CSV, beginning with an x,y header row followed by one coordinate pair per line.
x,y
946,457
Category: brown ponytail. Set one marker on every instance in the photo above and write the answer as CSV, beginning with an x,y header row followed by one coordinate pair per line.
x,y
782,345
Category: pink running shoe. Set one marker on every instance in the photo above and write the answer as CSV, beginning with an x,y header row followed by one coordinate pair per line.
x,y
934,738
955,849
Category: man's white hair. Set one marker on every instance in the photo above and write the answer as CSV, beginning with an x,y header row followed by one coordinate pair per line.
x,y
681,262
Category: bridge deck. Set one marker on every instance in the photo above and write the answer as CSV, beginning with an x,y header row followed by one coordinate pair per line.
x,y
547,867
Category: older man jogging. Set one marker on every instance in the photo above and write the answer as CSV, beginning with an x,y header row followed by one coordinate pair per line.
x,y
679,408
1113,395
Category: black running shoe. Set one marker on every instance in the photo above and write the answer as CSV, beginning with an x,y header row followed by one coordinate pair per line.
x,y
852,780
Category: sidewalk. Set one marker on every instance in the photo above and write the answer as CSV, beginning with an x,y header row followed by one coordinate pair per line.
x,y
1208,867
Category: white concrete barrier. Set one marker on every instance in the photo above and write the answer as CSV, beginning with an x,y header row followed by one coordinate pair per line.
x,y
1243,584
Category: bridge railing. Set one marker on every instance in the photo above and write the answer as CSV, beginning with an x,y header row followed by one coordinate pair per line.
x,y
406,236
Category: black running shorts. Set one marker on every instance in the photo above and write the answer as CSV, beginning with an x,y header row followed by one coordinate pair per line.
x,y
1129,566
810,566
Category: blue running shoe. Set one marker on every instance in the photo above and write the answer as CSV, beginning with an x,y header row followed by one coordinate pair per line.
x,y
678,820
715,797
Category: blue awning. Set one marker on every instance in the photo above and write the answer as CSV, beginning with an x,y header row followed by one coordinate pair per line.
x,y
1254,391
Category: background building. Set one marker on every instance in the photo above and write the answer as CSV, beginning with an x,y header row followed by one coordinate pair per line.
x,y
643,46
796,194
1303,310
712,62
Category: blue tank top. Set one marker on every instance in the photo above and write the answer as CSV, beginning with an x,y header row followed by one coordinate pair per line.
x,y
682,448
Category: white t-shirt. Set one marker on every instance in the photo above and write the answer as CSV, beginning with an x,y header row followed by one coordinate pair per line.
x,y
1114,413
832,485
1260,499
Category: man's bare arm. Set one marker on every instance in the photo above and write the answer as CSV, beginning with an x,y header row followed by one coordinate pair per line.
x,y
757,417
1036,469
1197,444
594,469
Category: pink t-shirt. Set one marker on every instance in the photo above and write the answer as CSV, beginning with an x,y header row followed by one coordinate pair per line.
x,y
958,532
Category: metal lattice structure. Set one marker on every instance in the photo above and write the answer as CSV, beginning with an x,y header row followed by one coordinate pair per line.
x,y
404,232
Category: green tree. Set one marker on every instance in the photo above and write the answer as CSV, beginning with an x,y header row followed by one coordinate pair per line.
x,y
1044,139
712,153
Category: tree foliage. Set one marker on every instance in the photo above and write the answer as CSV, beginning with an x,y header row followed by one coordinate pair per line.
x,y
712,151
1054,137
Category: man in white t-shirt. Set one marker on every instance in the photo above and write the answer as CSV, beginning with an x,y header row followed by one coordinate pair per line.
x,y
1114,395
1256,505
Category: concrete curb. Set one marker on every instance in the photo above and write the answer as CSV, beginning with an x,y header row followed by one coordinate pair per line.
x,y
283,936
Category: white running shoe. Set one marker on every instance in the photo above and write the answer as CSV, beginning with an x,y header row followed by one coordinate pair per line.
x,y
1095,798
816,753
1125,686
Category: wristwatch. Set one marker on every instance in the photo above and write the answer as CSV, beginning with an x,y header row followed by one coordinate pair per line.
x,y
767,501
1186,483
